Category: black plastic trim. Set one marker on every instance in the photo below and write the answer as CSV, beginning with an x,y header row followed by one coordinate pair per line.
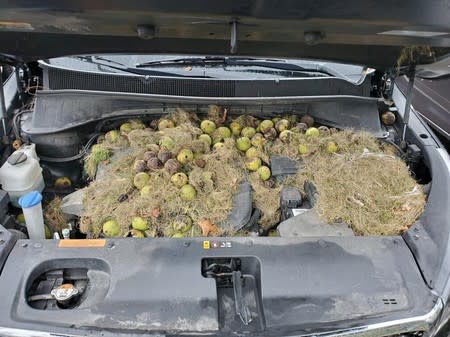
x,y
60,78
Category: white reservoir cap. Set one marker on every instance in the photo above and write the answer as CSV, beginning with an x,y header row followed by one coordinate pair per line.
x,y
34,218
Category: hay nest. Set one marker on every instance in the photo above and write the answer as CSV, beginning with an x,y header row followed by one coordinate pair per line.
x,y
53,216
363,183
112,195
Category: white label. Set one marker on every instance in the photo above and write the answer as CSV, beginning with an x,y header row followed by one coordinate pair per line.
x,y
298,211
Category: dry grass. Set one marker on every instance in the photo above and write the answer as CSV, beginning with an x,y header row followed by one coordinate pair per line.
x,y
371,191
53,216
363,184
215,185
267,200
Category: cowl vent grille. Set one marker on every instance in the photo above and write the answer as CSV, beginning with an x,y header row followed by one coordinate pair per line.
x,y
57,79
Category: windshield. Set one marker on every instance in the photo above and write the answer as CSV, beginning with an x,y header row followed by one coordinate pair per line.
x,y
238,68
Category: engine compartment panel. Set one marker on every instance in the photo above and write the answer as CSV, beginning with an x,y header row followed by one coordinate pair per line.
x,y
301,284
58,110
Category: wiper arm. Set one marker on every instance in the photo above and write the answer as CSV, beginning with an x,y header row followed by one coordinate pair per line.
x,y
230,61
184,61
276,64
95,60
201,61
208,60
101,61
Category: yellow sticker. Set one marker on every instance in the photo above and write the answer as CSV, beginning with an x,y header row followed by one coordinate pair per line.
x,y
205,244
75,243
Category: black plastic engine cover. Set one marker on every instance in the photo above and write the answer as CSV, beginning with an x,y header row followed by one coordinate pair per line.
x,y
157,285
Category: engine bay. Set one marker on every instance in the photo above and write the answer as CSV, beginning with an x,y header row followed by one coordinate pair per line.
x,y
216,171
296,214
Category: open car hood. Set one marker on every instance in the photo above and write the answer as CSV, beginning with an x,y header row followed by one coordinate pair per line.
x,y
372,33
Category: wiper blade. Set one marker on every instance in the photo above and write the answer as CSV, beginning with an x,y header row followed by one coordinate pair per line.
x,y
196,61
190,61
105,62
231,61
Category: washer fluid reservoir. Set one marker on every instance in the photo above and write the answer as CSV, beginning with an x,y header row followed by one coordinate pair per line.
x,y
21,173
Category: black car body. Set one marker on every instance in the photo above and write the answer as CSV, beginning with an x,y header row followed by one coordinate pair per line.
x,y
430,99
308,286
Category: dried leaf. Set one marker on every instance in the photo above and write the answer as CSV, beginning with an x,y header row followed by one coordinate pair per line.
x,y
156,212
207,227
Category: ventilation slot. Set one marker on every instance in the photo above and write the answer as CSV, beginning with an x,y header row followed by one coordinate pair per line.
x,y
58,79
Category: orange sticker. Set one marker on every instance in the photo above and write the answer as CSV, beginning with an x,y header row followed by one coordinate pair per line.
x,y
75,243
15,25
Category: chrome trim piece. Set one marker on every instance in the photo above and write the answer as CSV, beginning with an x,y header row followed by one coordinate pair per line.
x,y
404,325
222,100
11,332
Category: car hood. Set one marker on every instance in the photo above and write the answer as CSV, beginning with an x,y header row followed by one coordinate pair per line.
x,y
372,33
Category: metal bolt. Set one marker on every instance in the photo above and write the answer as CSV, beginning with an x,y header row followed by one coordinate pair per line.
x,y
322,243
24,245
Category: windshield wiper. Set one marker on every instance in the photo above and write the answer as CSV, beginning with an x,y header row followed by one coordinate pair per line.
x,y
200,61
183,61
105,62
230,61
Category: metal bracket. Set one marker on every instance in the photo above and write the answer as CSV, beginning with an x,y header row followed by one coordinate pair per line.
x,y
228,274
233,37
411,73
242,310
2,103
18,72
